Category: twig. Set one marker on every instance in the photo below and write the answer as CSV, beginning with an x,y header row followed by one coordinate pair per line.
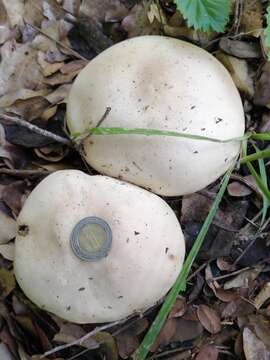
x,y
24,173
230,274
73,52
83,338
20,121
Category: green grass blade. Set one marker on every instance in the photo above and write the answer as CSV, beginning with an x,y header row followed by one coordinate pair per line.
x,y
256,156
180,283
260,136
155,132
264,189
264,180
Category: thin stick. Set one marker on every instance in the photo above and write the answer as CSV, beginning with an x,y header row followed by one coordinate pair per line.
x,y
21,122
73,52
83,338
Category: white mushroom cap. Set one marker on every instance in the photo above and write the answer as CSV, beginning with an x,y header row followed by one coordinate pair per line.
x,y
160,83
146,254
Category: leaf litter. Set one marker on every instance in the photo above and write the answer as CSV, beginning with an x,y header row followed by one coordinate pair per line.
x,y
226,306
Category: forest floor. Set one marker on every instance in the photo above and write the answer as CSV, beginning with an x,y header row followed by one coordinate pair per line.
x,y
225,310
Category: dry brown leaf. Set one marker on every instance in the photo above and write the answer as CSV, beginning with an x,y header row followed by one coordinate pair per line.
x,y
59,78
224,265
59,94
165,335
252,16
207,352
140,21
7,224
31,108
19,68
128,341
71,332
7,251
238,189
53,153
21,94
262,91
226,295
262,296
46,67
179,308
73,66
187,330
240,71
243,279
102,11
72,6
209,319
107,345
14,11
239,48
14,195
7,282
253,347
5,354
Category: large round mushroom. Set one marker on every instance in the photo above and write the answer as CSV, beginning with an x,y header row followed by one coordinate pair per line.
x,y
156,82
95,249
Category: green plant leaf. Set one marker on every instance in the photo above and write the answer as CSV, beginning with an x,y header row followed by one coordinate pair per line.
x,y
180,284
256,156
267,31
205,15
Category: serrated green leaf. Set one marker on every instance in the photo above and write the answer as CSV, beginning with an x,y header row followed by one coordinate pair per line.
x,y
205,15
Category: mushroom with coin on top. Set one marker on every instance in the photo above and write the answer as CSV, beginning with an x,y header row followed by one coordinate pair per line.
x,y
94,249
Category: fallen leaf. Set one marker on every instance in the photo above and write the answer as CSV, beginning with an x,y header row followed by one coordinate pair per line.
x,y
187,330
52,153
179,308
243,279
251,17
29,109
240,71
58,79
5,354
71,332
262,296
238,189
107,345
8,340
127,344
207,352
14,195
7,251
7,224
209,319
7,282
239,48
21,94
226,295
59,95
262,90
253,347
46,67
138,23
19,59
128,341
14,10
99,10
165,335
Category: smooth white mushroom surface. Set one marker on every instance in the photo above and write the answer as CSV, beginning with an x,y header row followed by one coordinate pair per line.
x,y
156,82
146,254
